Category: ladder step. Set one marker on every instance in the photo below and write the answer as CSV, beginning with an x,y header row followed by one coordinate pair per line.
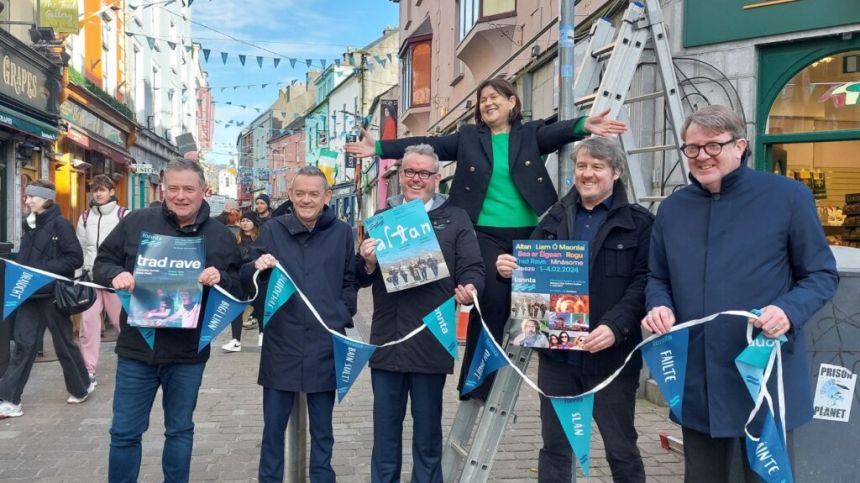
x,y
460,450
645,97
585,100
651,199
652,149
603,51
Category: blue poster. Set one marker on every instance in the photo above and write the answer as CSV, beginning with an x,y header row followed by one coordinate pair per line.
x,y
221,309
442,323
666,357
574,414
280,289
166,292
407,249
549,294
21,282
350,357
486,360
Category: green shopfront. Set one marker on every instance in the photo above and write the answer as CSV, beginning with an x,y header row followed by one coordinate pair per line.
x,y
29,108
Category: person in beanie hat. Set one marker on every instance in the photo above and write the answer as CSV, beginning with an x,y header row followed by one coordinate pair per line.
x,y
249,231
263,207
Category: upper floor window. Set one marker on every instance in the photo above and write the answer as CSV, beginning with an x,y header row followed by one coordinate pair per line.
x,y
416,74
469,12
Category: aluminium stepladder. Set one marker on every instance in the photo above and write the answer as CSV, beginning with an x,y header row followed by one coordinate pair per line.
x,y
469,451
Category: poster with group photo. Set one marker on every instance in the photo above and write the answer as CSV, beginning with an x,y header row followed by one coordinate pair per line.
x,y
166,291
549,294
407,249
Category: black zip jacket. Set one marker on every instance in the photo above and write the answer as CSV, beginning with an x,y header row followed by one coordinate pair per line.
x,y
51,246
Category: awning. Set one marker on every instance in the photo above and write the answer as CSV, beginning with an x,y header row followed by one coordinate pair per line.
x,y
27,124
81,137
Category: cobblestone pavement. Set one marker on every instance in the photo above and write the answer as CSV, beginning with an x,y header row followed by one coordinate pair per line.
x,y
54,441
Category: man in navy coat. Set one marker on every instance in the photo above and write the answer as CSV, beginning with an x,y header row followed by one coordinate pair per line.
x,y
734,239
317,251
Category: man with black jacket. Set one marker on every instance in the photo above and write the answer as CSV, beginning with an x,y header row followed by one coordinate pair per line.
x,y
172,362
596,210
416,369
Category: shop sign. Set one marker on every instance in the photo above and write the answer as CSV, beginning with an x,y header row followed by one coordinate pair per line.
x,y
143,168
77,115
61,15
24,80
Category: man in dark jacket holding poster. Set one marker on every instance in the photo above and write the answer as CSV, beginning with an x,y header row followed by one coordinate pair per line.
x,y
596,211
172,360
317,251
417,368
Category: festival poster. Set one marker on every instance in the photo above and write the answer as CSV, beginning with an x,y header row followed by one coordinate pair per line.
x,y
407,249
166,291
549,299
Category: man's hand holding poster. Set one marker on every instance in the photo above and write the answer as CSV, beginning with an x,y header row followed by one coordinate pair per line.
x,y
549,300
167,293
407,248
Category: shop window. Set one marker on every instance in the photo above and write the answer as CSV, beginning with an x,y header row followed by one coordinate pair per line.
x,y
416,75
824,96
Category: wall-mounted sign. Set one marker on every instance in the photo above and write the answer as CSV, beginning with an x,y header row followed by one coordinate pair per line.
x,y
61,15
81,117
25,81
144,168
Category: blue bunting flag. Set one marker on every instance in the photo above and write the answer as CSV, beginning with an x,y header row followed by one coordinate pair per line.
x,y
666,357
21,282
148,333
220,311
442,323
279,291
574,414
768,456
486,360
350,357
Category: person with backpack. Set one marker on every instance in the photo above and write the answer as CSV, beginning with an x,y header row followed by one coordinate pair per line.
x,y
94,225
250,229
47,243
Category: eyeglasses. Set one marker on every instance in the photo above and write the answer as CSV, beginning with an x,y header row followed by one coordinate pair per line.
x,y
410,173
711,149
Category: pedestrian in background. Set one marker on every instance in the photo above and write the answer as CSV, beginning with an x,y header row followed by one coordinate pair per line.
x,y
250,230
94,225
48,243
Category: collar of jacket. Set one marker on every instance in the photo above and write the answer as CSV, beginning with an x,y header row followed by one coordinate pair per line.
x,y
438,200
728,182
202,217
44,217
294,226
514,139
556,218
104,209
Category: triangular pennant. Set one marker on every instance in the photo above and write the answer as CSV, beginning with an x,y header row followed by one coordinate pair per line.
x,y
382,63
276,61
389,57
767,455
350,357
264,85
308,62
224,57
129,34
293,63
260,61
172,45
378,59
206,53
242,59
322,63
337,62
442,323
751,363
21,282
189,48
486,360
190,2
279,291
666,357
220,311
151,42
574,414
148,333
222,90
351,60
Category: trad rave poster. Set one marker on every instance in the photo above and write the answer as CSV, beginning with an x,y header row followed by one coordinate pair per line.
x,y
408,251
166,292
549,299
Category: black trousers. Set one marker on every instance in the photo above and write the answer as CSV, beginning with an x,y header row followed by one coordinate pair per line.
x,y
719,460
31,319
5,342
614,411
495,300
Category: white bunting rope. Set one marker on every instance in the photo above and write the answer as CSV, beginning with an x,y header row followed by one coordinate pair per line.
x,y
336,333
608,380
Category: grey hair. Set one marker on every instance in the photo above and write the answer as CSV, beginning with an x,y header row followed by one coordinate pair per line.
x,y
308,170
182,164
716,119
423,150
607,149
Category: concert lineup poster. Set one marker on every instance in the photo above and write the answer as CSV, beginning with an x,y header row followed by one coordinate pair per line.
x,y
166,292
549,294
407,248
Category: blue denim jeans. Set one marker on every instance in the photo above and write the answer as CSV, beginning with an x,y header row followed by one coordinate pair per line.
x,y
136,386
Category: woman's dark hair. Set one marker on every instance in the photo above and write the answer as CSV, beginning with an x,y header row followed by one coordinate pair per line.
x,y
504,88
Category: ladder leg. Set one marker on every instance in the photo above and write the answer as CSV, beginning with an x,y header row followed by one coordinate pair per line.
x,y
456,445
